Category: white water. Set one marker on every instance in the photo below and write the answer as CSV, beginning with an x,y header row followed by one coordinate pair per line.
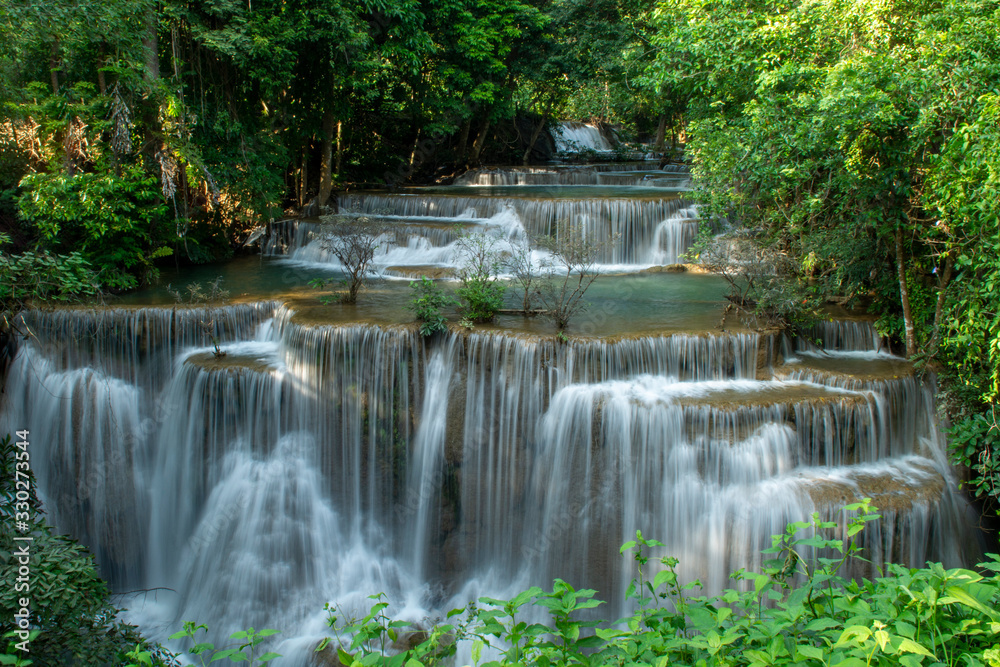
x,y
323,464
591,174
576,137
633,237
632,233
317,465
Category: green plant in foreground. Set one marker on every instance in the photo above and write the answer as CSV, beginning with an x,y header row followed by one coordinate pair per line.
x,y
798,610
368,639
249,646
428,304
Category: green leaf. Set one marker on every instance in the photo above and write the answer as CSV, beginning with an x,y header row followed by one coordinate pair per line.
x,y
810,652
910,646
965,598
853,633
850,662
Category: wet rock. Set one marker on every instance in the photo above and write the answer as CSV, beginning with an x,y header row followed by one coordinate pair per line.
x,y
408,639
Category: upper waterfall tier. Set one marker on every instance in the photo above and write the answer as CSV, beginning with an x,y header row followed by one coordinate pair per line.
x,y
640,173
628,230
576,137
845,335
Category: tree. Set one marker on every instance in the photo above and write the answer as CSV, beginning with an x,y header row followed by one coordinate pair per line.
x,y
574,258
482,290
353,239
520,263
761,280
117,221
859,142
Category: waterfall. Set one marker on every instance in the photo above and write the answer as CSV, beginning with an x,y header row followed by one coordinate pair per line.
x,y
847,335
673,236
321,463
256,463
90,473
424,483
576,137
591,174
626,227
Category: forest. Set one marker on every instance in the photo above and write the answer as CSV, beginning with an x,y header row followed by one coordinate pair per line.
x,y
852,145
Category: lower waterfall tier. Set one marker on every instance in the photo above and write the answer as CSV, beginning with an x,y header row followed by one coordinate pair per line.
x,y
301,464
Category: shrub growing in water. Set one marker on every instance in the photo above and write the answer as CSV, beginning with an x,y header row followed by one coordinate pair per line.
x,y
428,304
482,290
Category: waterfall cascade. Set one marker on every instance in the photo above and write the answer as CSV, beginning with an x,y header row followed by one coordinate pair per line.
x,y
636,214
575,137
320,462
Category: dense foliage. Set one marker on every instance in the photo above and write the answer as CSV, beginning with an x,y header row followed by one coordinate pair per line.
x,y
178,128
799,610
857,141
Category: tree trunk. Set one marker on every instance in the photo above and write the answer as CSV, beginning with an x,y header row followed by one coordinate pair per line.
x,y
151,47
302,177
904,295
949,265
463,140
413,152
340,150
326,160
661,133
183,190
477,146
54,66
151,57
537,132
101,60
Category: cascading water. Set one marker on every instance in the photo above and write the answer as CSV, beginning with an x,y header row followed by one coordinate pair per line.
x,y
591,174
673,237
576,137
636,216
304,462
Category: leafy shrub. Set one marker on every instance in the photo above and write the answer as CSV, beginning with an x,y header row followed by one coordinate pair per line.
x,y
428,304
41,276
117,222
482,292
975,443
799,610
481,299
248,641
763,283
